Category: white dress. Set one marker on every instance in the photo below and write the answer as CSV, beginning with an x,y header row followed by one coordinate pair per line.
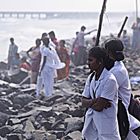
x,y
47,74
124,93
102,125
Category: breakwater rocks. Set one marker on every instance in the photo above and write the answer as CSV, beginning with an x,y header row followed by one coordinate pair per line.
x,y
23,116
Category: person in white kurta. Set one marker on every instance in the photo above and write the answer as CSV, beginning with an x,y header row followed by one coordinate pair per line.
x,y
48,71
100,121
115,51
12,53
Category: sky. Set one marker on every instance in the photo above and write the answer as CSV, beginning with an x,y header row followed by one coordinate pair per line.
x,y
68,5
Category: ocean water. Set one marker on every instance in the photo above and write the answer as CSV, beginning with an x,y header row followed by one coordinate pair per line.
x,y
65,25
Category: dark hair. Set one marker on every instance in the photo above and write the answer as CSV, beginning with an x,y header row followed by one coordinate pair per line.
x,y
38,40
83,28
63,41
46,41
115,46
101,55
11,39
51,33
43,35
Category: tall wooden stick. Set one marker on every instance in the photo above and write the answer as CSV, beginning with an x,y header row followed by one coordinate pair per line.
x,y
100,23
136,10
119,34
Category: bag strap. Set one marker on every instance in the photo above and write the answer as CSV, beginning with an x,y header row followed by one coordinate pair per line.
x,y
90,79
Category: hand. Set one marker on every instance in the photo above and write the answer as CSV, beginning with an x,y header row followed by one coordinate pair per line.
x,y
100,104
108,104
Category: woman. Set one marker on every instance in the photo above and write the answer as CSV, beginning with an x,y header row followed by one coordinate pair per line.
x,y
114,49
100,97
64,57
35,56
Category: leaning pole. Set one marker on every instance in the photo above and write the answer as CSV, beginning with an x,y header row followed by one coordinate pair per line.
x,y
119,34
100,23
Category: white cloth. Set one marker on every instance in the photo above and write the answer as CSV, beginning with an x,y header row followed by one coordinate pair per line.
x,y
131,136
52,60
124,93
102,125
121,74
46,78
81,38
13,49
12,55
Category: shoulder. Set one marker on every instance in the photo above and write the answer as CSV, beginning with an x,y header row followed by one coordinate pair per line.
x,y
119,70
109,77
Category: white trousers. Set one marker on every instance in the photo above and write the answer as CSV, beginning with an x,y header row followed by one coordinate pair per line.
x,y
46,79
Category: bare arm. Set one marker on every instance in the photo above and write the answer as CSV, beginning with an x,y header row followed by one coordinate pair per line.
x,y
90,32
86,102
100,104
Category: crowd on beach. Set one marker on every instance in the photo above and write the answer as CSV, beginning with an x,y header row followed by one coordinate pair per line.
x,y
107,88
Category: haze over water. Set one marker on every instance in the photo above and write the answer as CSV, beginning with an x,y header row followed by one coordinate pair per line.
x,y
26,30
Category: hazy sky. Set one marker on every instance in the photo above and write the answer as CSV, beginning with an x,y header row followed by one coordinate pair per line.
x,y
67,5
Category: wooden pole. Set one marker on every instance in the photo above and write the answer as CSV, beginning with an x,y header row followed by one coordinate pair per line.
x,y
136,10
100,23
119,34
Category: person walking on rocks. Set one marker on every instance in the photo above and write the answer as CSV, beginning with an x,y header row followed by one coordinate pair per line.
x,y
100,97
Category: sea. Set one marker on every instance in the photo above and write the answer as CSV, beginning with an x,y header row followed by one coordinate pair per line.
x,y
64,24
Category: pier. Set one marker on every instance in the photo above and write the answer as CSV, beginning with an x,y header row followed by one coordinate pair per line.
x,y
22,14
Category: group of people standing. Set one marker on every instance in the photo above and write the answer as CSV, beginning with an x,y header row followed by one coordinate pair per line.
x,y
107,86
49,60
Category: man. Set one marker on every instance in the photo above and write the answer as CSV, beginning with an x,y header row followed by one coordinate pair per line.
x,y
50,63
12,53
80,39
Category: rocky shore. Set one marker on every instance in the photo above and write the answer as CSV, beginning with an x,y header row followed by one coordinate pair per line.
x,y
60,117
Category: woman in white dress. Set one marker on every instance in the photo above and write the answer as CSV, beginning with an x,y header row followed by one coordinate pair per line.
x,y
100,97
114,49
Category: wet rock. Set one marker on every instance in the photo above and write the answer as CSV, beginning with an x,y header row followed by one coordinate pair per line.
x,y
14,137
19,77
73,124
23,100
75,135
3,66
4,130
3,118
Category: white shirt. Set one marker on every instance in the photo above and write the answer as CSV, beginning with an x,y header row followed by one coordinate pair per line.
x,y
81,38
52,58
106,120
106,87
124,92
121,74
13,49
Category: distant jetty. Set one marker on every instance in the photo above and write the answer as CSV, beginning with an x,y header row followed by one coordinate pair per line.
x,y
46,15
23,14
